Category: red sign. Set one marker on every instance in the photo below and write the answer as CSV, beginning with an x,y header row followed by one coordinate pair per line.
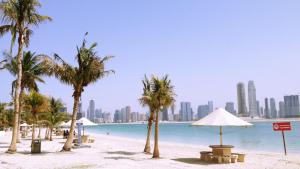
x,y
282,126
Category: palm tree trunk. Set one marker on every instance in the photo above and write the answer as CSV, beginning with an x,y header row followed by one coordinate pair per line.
x,y
47,134
51,130
33,129
147,148
40,127
156,151
21,109
68,144
13,145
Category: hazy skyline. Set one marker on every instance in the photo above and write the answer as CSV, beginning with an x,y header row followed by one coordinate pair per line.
x,y
205,47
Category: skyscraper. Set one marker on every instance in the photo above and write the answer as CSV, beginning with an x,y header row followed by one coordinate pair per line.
x,y
241,100
273,108
252,99
92,110
186,112
292,106
267,111
128,112
202,111
230,108
165,114
282,109
258,109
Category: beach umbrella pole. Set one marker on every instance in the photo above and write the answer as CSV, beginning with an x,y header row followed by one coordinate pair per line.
x,y
221,139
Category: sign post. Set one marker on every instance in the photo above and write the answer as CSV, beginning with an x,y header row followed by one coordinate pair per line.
x,y
282,126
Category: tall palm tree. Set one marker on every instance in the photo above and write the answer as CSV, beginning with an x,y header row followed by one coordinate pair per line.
x,y
54,117
33,68
18,16
148,99
36,104
163,95
90,69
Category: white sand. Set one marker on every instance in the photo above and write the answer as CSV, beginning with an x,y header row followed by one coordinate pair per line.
x,y
121,153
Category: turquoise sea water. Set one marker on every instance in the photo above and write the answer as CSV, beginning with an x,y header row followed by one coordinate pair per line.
x,y
259,137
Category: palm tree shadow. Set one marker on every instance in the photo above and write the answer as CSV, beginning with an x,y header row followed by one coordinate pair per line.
x,y
191,161
122,153
4,146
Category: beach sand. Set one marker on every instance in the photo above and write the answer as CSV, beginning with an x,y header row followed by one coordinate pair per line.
x,y
113,152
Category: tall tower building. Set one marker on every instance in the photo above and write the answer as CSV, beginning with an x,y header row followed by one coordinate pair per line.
x,y
230,108
186,112
128,114
267,110
92,110
241,100
165,114
281,109
252,99
292,106
258,109
273,108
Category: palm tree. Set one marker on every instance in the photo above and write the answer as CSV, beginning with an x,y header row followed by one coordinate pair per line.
x,y
162,96
90,69
33,68
148,100
54,117
18,16
36,104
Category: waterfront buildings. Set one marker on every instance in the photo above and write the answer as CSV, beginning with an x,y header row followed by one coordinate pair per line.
x,y
292,106
267,111
252,99
186,112
165,114
204,110
241,100
91,110
230,108
281,109
273,109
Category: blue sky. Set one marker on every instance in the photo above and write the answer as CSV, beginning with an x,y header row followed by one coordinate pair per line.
x,y
206,47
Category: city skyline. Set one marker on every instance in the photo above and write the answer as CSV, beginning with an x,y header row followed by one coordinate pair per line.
x,y
203,61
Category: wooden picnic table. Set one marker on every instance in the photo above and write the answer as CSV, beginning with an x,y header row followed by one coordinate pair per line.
x,y
221,150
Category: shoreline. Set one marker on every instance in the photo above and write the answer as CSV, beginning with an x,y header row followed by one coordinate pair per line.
x,y
112,152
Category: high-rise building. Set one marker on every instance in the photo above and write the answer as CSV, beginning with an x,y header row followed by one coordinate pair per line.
x,y
92,110
165,114
273,109
292,106
173,106
117,116
258,109
241,100
123,115
128,113
281,109
267,110
230,108
262,112
186,112
202,111
252,99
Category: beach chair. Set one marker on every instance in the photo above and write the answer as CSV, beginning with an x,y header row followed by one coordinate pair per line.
x,y
240,157
204,154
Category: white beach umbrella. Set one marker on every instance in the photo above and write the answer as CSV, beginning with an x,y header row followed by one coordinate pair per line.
x,y
85,122
66,124
220,118
24,125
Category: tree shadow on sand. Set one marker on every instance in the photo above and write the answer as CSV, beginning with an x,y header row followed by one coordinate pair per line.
x,y
122,153
191,161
